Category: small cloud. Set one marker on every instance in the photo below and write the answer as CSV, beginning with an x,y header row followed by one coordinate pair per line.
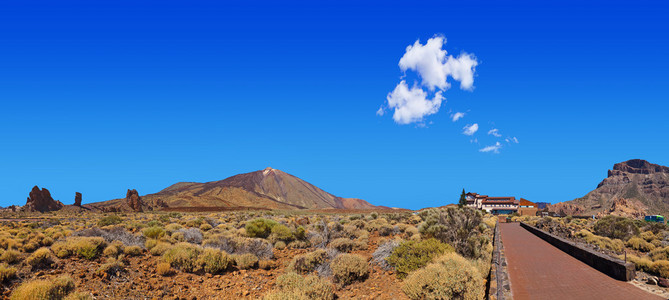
x,y
474,141
470,129
457,116
492,148
511,140
494,132
411,104
380,112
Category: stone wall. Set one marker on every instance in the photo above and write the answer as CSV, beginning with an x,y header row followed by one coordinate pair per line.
x,y
611,266
499,287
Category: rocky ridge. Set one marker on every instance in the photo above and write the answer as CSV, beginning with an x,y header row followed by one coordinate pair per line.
x,y
632,188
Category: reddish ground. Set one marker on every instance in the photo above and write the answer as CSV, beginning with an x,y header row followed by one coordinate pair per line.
x,y
537,270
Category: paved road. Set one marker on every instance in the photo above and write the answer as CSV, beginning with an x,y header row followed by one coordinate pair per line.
x,y
537,270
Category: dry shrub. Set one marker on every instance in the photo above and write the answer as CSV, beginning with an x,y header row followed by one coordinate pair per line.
x,y
661,267
132,250
79,296
214,261
44,289
601,241
267,264
641,263
280,245
84,247
246,261
241,245
307,263
111,251
113,267
41,258
383,252
649,236
451,276
6,272
10,256
640,244
660,254
164,269
412,255
293,286
160,248
154,232
348,268
182,256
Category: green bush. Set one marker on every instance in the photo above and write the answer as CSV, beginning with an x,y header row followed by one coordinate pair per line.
x,y
182,256
214,261
109,220
300,233
348,268
154,232
451,276
616,227
85,247
661,267
281,233
260,228
413,255
10,256
133,250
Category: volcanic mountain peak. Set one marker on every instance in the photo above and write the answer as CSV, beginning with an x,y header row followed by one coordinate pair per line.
x,y
267,189
637,166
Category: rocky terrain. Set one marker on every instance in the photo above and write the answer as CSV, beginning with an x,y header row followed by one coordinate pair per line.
x,y
633,188
263,189
40,200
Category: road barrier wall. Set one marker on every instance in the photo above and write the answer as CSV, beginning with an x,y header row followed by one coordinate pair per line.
x,y
614,267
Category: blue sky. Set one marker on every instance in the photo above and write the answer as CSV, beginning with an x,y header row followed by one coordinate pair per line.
x,y
101,96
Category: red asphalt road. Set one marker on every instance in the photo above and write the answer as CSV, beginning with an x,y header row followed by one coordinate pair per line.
x,y
537,270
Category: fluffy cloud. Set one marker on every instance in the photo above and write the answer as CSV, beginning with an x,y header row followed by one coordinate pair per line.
x,y
470,129
494,132
457,116
411,104
492,148
434,66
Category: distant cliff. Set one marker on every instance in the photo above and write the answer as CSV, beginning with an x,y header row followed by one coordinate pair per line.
x,y
633,188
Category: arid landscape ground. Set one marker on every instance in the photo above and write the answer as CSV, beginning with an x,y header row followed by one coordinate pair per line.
x,y
247,255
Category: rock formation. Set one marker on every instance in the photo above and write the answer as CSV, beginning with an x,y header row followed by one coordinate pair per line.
x,y
77,199
134,200
40,200
632,188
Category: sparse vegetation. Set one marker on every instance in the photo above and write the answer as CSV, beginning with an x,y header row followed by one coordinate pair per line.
x,y
413,255
348,268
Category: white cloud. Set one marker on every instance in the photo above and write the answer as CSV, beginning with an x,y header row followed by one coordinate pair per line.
x,y
470,129
511,139
412,105
492,148
434,67
494,132
457,116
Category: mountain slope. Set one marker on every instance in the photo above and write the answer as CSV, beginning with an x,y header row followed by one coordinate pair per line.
x,y
267,189
634,187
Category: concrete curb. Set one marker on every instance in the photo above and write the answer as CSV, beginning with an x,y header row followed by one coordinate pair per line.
x,y
500,287
614,267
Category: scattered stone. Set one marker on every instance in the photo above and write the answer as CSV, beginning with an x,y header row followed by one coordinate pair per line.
x,y
651,281
663,282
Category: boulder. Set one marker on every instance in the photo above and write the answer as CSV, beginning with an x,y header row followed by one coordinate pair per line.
x,y
651,281
40,200
663,282
133,200
77,199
